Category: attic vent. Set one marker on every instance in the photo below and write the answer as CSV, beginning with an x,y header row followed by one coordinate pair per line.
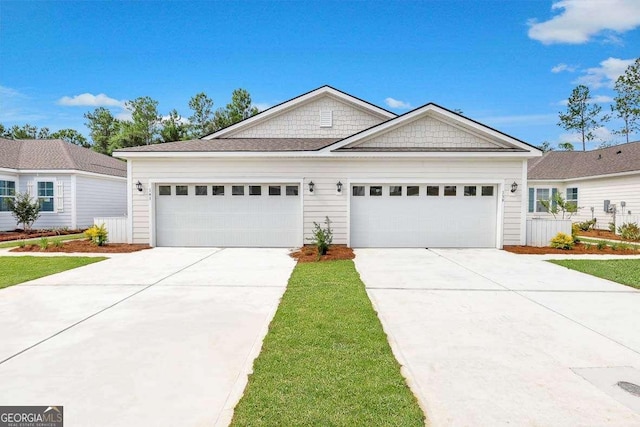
x,y
619,152
326,118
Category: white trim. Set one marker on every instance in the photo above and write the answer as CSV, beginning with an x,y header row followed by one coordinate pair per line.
x,y
36,195
500,215
74,205
63,172
273,111
586,178
431,110
524,204
129,202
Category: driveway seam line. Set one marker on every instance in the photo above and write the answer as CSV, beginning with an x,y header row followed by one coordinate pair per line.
x,y
540,304
105,309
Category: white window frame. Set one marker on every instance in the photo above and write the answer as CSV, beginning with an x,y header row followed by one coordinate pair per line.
x,y
567,199
55,193
15,188
536,199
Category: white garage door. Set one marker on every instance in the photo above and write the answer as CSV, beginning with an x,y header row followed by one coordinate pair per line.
x,y
423,216
228,215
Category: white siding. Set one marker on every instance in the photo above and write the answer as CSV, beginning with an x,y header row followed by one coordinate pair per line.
x,y
427,132
99,197
7,221
325,173
593,192
55,219
304,122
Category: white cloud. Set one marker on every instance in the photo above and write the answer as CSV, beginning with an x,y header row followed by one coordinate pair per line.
x,y
597,99
579,20
124,115
606,74
527,119
394,103
261,106
181,119
7,92
90,100
601,134
564,67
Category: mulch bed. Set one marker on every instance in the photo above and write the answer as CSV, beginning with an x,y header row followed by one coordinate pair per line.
x,y
6,236
601,234
309,253
578,249
85,246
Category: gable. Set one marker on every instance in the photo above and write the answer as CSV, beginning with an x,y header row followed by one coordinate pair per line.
x,y
426,133
322,117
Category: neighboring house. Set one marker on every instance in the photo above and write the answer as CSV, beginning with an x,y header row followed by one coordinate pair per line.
x,y
72,184
427,178
594,180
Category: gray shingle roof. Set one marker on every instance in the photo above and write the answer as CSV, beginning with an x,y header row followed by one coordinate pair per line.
x,y
56,154
236,144
580,164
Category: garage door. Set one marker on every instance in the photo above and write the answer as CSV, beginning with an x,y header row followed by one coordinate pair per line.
x,y
422,216
228,215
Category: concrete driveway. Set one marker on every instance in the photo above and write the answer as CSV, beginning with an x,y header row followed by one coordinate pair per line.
x,y
158,337
489,338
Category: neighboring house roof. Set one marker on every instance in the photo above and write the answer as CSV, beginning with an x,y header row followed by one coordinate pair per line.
x,y
56,154
239,144
580,164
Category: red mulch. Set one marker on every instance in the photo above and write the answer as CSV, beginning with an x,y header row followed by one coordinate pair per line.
x,y
85,246
309,253
578,249
20,234
602,234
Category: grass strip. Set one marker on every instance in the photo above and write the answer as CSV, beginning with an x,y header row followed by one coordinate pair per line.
x,y
36,240
18,269
326,360
608,242
624,271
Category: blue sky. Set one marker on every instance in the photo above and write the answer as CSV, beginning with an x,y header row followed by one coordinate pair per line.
x,y
508,64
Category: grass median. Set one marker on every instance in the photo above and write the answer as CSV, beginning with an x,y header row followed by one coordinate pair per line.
x,y
326,359
625,271
18,269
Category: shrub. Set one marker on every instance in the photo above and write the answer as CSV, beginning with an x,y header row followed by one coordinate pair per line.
x,y
587,225
322,237
562,241
57,243
629,231
601,245
25,210
574,232
587,246
559,205
612,227
43,243
97,234
22,244
614,246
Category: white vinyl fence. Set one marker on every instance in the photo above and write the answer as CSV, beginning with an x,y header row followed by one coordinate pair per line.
x,y
541,231
116,226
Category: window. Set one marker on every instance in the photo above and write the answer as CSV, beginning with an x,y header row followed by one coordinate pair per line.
x,y
292,190
572,197
201,190
182,190
470,190
358,190
433,190
217,190
255,190
413,190
395,190
537,196
7,192
450,190
164,190
275,190
45,196
237,190
487,190
375,190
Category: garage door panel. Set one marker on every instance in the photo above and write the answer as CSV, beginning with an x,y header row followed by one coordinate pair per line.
x,y
423,221
228,220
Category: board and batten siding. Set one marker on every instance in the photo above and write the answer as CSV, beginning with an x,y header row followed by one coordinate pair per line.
x,y
304,122
325,173
99,197
61,216
594,191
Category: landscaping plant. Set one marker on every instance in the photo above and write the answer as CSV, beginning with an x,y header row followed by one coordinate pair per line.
x,y
322,237
97,234
601,245
558,205
587,225
562,241
25,210
43,243
629,231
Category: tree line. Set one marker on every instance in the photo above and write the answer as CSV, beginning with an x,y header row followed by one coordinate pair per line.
x,y
584,116
146,126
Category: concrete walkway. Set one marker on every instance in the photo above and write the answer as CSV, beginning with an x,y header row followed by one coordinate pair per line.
x,y
158,337
490,338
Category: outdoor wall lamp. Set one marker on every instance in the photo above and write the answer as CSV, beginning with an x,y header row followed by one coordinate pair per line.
x,y
514,187
139,186
339,187
311,185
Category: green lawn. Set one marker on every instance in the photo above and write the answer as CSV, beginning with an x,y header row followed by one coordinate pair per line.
x,y
608,242
625,271
34,241
326,360
18,269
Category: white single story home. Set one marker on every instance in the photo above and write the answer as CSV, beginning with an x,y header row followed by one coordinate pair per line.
x,y
427,178
599,182
73,184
